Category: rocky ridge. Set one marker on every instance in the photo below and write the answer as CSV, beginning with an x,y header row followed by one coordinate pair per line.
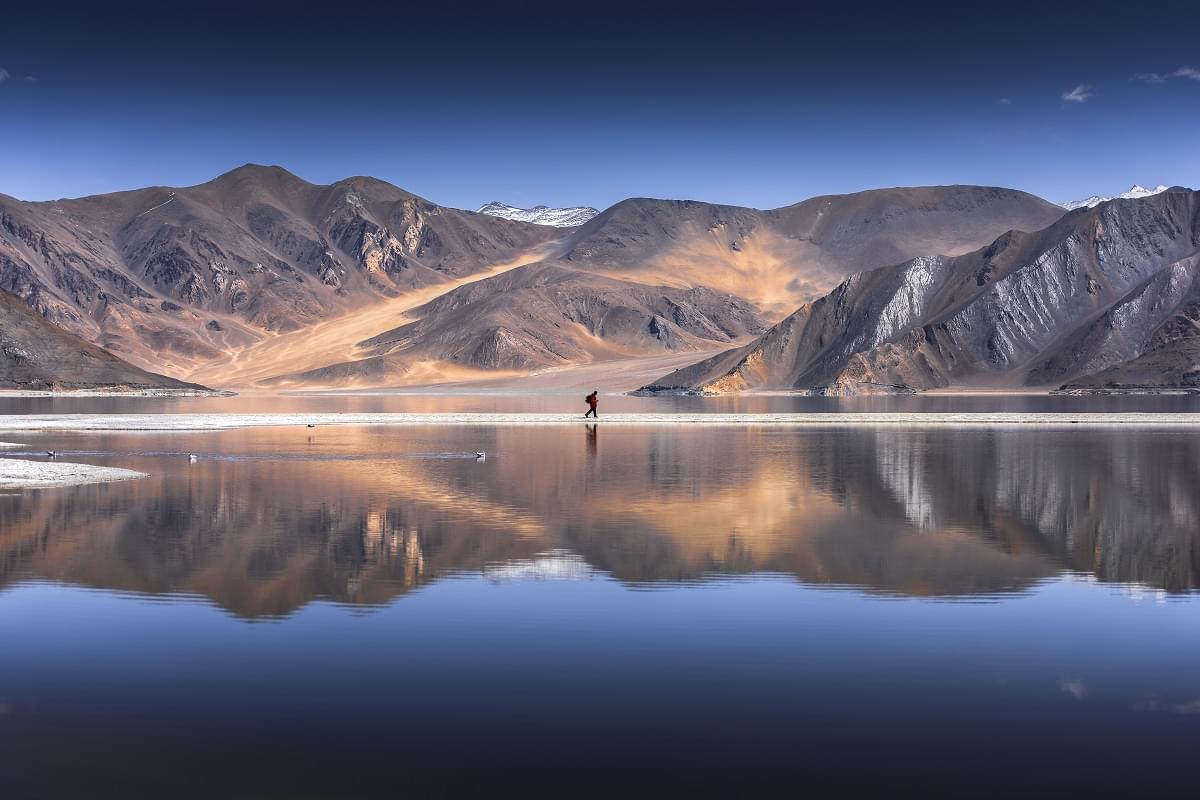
x,y
1099,288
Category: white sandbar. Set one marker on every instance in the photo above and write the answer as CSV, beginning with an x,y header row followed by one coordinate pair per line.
x,y
215,422
21,474
125,393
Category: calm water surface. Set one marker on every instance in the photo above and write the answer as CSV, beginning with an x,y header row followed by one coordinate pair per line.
x,y
349,611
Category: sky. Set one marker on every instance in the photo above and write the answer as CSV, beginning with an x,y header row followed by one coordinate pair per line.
x,y
588,103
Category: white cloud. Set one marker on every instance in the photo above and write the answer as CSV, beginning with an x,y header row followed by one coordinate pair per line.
x,y
1154,704
1076,689
1004,101
1079,94
1192,73
5,75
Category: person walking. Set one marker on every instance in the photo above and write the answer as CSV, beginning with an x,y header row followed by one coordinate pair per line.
x,y
592,399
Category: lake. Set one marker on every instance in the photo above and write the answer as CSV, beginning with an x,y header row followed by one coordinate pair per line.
x,y
610,609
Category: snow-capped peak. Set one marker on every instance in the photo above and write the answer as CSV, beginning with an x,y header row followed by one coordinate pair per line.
x,y
1134,192
541,215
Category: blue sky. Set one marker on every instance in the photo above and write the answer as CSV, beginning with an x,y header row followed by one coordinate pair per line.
x,y
755,105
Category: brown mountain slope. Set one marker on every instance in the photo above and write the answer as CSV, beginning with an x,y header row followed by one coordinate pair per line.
x,y
545,315
36,355
1028,310
781,258
177,277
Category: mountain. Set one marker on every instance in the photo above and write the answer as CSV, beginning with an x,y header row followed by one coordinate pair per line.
x,y
781,258
258,273
637,257
546,315
1134,192
174,277
541,215
36,355
1100,287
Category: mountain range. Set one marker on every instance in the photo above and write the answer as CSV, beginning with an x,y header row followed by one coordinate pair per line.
x,y
259,278
258,275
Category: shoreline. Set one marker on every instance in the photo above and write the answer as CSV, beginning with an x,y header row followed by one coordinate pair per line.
x,y
575,379
116,393
218,422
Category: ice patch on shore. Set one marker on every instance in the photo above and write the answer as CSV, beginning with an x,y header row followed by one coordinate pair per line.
x,y
218,422
21,474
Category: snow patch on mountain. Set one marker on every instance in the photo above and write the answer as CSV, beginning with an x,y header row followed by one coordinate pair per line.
x,y
1134,192
541,215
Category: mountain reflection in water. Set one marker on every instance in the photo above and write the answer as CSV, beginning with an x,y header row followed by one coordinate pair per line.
x,y
269,519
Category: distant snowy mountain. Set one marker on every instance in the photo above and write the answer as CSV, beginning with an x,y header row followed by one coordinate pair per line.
x,y
1134,192
541,215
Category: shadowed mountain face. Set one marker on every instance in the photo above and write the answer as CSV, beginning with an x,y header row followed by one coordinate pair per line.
x,y
1157,326
1099,288
265,522
780,258
36,355
1170,364
175,277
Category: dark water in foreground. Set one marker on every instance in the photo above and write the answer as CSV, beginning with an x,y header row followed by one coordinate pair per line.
x,y
620,610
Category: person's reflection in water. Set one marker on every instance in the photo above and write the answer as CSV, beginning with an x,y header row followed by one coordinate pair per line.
x,y
591,439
